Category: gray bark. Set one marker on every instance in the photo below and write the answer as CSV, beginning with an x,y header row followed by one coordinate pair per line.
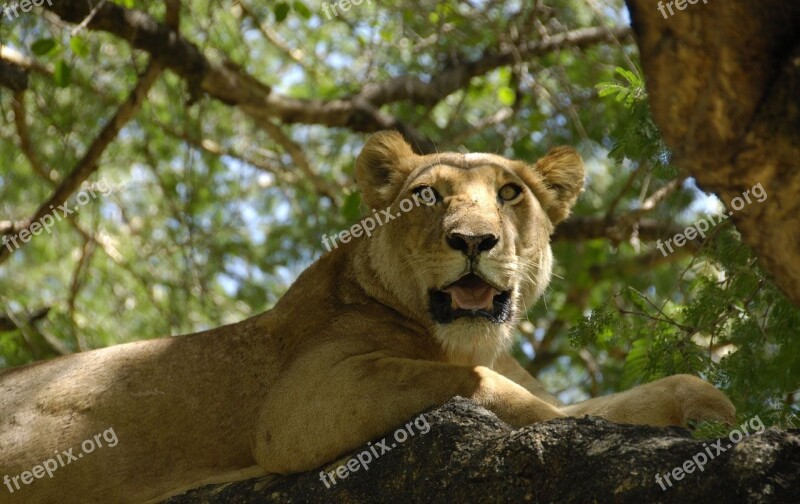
x,y
470,456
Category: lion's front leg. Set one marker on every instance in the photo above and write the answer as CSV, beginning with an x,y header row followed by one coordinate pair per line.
x,y
674,400
321,409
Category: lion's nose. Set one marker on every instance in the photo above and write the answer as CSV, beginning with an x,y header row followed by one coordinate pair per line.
x,y
472,245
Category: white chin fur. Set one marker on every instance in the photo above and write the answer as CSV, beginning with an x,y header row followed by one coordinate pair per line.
x,y
474,341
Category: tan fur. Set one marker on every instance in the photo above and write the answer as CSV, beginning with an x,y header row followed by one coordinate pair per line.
x,y
350,352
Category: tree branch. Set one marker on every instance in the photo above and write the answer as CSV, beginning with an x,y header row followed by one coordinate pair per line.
x,y
616,229
12,77
232,85
88,164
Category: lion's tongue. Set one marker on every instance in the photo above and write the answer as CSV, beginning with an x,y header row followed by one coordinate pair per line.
x,y
472,297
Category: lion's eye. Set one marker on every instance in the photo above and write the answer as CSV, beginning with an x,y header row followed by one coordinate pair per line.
x,y
427,194
509,192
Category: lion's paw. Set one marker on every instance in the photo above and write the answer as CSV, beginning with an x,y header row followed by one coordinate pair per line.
x,y
697,401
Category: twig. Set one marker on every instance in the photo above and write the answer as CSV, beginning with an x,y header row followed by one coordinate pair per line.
x,y
88,164
18,106
83,24
322,186
656,319
234,86
621,194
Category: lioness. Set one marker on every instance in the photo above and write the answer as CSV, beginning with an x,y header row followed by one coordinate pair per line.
x,y
371,334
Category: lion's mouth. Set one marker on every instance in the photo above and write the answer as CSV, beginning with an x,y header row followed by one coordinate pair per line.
x,y
470,296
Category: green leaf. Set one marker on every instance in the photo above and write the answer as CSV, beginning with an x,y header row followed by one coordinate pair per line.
x,y
62,74
281,10
43,46
350,208
79,46
591,328
506,95
608,88
634,370
301,9
629,76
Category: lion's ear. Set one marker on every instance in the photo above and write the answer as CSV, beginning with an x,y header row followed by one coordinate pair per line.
x,y
382,167
562,171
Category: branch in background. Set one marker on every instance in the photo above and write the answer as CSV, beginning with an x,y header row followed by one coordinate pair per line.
x,y
12,77
321,185
87,251
652,201
617,230
232,85
736,67
49,176
625,187
18,106
13,322
272,36
40,343
16,58
487,122
640,264
22,63
416,90
592,369
88,164
209,146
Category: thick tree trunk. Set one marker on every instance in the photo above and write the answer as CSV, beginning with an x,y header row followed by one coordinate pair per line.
x,y
724,84
468,455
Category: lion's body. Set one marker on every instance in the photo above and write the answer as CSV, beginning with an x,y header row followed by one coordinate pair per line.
x,y
351,351
162,398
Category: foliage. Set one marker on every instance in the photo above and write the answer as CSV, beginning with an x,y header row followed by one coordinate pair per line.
x,y
211,218
723,318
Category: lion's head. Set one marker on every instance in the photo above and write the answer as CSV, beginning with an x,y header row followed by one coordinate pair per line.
x,y
470,263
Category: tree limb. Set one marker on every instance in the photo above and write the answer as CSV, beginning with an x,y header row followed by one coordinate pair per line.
x,y
617,229
232,85
468,455
88,164
731,115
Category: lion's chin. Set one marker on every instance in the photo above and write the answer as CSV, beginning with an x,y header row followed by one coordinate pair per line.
x,y
473,341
